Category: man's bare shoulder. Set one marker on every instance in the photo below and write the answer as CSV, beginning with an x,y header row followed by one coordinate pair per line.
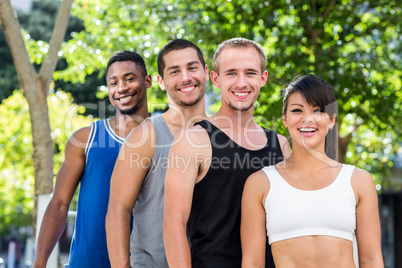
x,y
141,134
145,126
282,138
82,133
197,130
80,137
285,146
193,137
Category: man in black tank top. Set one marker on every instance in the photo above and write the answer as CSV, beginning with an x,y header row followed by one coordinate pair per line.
x,y
209,165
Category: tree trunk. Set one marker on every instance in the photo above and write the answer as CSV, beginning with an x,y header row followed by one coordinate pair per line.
x,y
342,148
35,88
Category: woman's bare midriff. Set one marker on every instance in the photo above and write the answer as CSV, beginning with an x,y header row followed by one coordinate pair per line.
x,y
313,252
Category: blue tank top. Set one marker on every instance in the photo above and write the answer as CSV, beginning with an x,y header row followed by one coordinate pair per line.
x,y
88,246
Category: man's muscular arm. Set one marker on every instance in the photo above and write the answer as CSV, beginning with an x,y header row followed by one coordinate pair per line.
x,y
67,179
285,146
185,163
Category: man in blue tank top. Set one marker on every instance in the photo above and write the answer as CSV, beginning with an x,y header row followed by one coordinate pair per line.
x,y
137,183
90,156
203,198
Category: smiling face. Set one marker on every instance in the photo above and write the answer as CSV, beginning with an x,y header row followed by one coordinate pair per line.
x,y
307,124
184,77
127,86
239,77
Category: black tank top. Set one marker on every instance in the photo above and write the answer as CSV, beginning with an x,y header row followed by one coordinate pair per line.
x,y
214,223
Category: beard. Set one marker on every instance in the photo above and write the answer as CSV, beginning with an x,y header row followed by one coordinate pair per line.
x,y
241,109
129,111
188,104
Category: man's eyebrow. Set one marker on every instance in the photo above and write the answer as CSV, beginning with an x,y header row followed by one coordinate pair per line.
x,y
172,67
252,70
126,74
129,73
230,70
177,66
234,70
193,62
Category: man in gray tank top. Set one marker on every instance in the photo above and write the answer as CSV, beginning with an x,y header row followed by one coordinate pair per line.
x,y
137,183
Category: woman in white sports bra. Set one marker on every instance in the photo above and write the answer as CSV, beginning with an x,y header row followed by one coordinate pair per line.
x,y
310,205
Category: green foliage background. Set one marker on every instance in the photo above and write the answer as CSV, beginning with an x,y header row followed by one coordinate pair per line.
x,y
16,165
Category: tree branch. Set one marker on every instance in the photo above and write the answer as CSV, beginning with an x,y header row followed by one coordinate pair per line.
x,y
314,6
307,28
11,26
59,31
326,13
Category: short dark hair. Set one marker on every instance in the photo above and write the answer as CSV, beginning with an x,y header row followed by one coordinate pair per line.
x,y
176,44
125,55
316,92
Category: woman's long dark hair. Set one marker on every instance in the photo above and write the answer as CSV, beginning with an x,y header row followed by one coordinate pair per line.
x,y
316,93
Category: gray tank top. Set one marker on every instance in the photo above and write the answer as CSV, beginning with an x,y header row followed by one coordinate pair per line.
x,y
146,243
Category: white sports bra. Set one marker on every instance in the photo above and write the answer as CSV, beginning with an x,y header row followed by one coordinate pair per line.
x,y
291,212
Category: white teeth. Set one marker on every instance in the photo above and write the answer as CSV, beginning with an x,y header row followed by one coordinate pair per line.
x,y
240,94
186,89
307,129
125,98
